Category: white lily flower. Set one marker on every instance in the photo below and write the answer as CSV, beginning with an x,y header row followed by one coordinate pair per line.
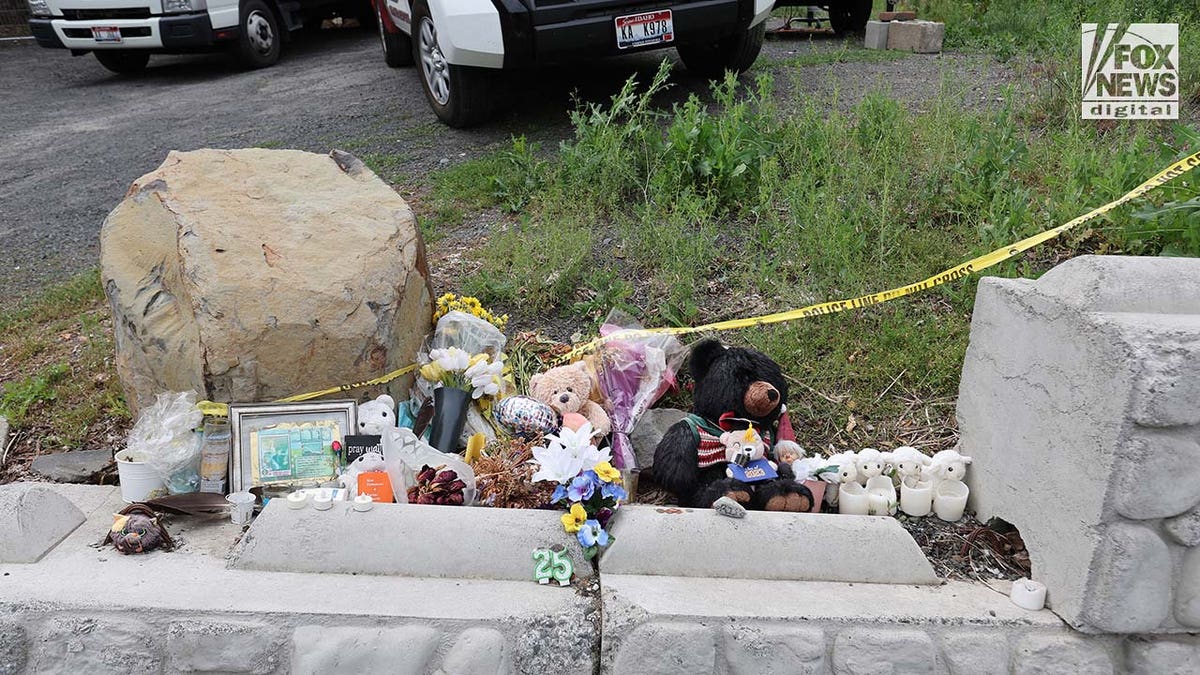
x,y
568,454
451,359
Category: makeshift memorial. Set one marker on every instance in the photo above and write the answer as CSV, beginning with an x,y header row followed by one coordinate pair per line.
x,y
566,389
633,372
588,486
136,529
553,564
241,507
525,416
282,445
214,456
458,378
405,456
164,438
730,383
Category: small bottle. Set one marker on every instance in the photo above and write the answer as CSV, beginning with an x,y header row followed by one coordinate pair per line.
x,y
214,456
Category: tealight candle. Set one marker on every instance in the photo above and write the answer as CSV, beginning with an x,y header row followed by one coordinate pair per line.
x,y
323,500
916,499
297,500
950,500
853,500
363,503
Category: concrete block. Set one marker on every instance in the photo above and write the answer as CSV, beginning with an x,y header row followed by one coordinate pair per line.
x,y
429,541
796,546
33,520
976,653
1185,529
76,466
12,647
650,430
1164,475
862,650
1050,654
667,649
81,644
1166,394
1163,657
1051,408
478,651
224,647
1187,590
1131,584
775,650
318,650
922,37
877,35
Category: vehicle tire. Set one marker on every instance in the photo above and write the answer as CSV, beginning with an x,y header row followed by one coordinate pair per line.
x,y
849,16
123,62
397,47
459,95
259,41
736,53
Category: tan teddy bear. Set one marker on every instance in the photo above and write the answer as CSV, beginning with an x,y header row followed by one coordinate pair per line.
x,y
567,389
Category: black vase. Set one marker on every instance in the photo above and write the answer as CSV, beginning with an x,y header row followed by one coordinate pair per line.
x,y
449,415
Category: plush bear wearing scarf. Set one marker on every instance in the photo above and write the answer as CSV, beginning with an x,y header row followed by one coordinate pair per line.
x,y
733,387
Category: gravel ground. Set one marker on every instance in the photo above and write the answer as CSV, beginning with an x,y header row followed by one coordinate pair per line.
x,y
73,136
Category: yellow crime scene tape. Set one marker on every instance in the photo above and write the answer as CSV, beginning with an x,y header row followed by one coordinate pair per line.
x,y
959,271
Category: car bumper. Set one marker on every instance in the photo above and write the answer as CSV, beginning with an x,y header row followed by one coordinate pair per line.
x,y
571,30
188,32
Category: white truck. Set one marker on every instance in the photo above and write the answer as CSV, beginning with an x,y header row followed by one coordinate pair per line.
x,y
461,44
124,33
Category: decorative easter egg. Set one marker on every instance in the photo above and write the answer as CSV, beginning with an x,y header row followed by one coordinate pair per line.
x,y
525,416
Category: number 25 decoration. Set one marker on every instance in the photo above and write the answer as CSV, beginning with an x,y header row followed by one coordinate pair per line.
x,y
553,564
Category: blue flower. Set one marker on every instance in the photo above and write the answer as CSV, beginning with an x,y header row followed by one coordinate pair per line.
x,y
581,489
591,534
559,493
614,491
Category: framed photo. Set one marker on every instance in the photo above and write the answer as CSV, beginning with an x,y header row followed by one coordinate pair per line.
x,y
285,444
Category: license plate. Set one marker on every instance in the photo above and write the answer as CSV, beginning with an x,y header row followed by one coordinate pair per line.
x,y
106,34
639,30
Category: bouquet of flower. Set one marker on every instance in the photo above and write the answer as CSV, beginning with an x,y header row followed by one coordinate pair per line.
x,y
468,305
452,367
589,487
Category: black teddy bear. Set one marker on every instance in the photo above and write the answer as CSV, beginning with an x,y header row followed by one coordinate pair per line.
x,y
732,385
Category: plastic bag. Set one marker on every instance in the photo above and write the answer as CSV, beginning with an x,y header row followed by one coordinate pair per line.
x,y
404,454
633,372
165,438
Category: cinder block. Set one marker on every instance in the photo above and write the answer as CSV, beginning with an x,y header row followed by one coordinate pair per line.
x,y
877,35
921,37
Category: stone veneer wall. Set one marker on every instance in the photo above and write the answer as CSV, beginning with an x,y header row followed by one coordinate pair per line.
x,y
1080,404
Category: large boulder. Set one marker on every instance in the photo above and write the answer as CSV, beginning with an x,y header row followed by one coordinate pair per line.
x,y
250,275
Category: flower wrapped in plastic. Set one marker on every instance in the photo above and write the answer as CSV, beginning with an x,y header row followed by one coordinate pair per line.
x,y
634,370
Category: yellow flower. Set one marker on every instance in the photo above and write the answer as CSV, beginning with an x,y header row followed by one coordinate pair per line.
x,y
432,372
573,520
477,358
607,472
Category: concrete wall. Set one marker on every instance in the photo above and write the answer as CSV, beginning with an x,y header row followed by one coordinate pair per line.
x,y
1080,404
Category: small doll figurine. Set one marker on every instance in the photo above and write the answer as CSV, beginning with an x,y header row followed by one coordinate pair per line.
x,y
788,452
746,453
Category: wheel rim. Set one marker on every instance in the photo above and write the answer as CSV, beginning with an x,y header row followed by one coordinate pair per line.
x,y
382,30
259,32
433,64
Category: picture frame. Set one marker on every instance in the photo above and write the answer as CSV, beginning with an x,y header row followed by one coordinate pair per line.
x,y
288,444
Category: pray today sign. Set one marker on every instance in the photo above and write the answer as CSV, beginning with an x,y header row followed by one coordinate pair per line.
x,y
1130,71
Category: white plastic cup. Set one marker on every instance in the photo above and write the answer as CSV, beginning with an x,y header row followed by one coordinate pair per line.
x,y
138,480
853,500
916,500
950,500
241,507
881,495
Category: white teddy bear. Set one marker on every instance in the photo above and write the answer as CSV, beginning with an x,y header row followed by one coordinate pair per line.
x,y
376,416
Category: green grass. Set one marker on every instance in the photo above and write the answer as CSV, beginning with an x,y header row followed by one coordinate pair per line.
x,y
724,207
57,364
